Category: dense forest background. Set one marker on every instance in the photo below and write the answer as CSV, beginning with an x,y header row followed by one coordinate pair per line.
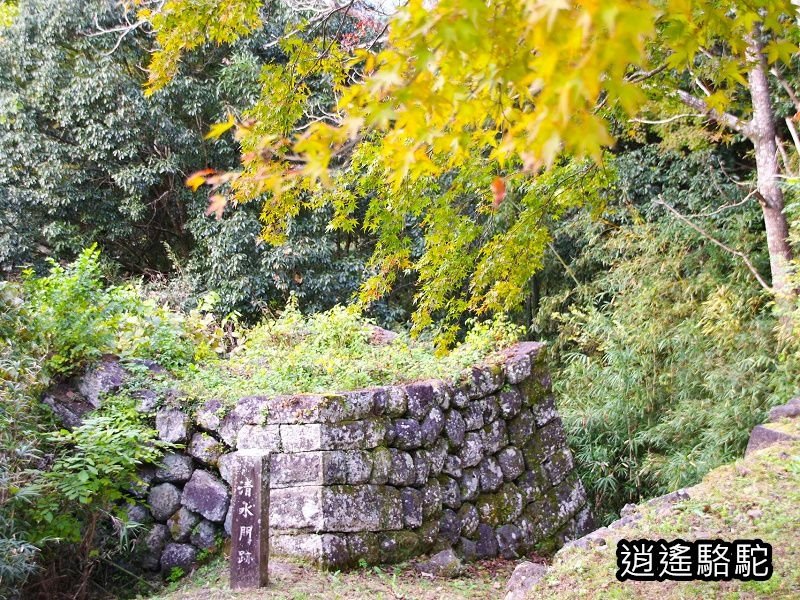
x,y
665,348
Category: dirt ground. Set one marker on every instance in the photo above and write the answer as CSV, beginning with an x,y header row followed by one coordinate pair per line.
x,y
298,581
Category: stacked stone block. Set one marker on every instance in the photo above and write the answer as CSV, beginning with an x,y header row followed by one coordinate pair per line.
x,y
380,475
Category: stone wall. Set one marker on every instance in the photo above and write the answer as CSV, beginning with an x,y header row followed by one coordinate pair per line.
x,y
479,464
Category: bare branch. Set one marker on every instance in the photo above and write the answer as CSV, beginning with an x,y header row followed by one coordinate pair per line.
x,y
793,132
668,119
718,210
640,76
787,88
716,242
722,118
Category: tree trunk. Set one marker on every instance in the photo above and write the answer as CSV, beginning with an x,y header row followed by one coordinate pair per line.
x,y
762,133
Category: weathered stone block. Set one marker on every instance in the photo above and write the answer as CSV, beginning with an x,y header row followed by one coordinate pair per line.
x,y
207,495
472,452
558,465
511,462
396,401
205,448
302,437
296,508
517,367
467,549
402,470
455,428
479,382
363,404
449,527
361,508
181,556
209,415
584,522
532,484
412,507
259,437
491,409
154,542
486,544
469,519
521,428
452,466
432,426
173,425
451,495
473,415
181,524
104,378
422,466
551,437
509,402
763,436
364,546
398,546
428,534
381,466
510,542
494,436
491,475
329,551
308,468
544,411
543,513
431,499
174,468
571,497
164,499
225,467
359,466
421,399
137,513
348,435
501,507
437,455
459,398
407,434
374,432
204,535
470,485
254,410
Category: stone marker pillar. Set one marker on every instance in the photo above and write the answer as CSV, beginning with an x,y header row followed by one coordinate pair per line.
x,y
250,523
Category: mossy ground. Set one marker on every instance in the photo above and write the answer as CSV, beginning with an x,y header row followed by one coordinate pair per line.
x,y
756,497
292,580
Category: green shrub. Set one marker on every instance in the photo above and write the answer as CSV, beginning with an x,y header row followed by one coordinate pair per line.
x,y
332,351
94,470
75,318
668,360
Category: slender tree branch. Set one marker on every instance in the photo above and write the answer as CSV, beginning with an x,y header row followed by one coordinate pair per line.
x,y
722,118
640,76
668,119
715,241
793,132
787,88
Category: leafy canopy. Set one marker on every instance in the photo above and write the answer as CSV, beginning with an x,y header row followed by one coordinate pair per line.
x,y
473,99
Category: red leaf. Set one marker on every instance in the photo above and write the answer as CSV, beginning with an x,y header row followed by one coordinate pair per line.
x,y
498,191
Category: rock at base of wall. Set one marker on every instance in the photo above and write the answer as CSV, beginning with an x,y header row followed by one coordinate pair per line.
x,y
443,564
525,576
181,556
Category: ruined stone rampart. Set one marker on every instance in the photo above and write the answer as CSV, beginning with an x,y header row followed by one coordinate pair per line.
x,y
378,475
